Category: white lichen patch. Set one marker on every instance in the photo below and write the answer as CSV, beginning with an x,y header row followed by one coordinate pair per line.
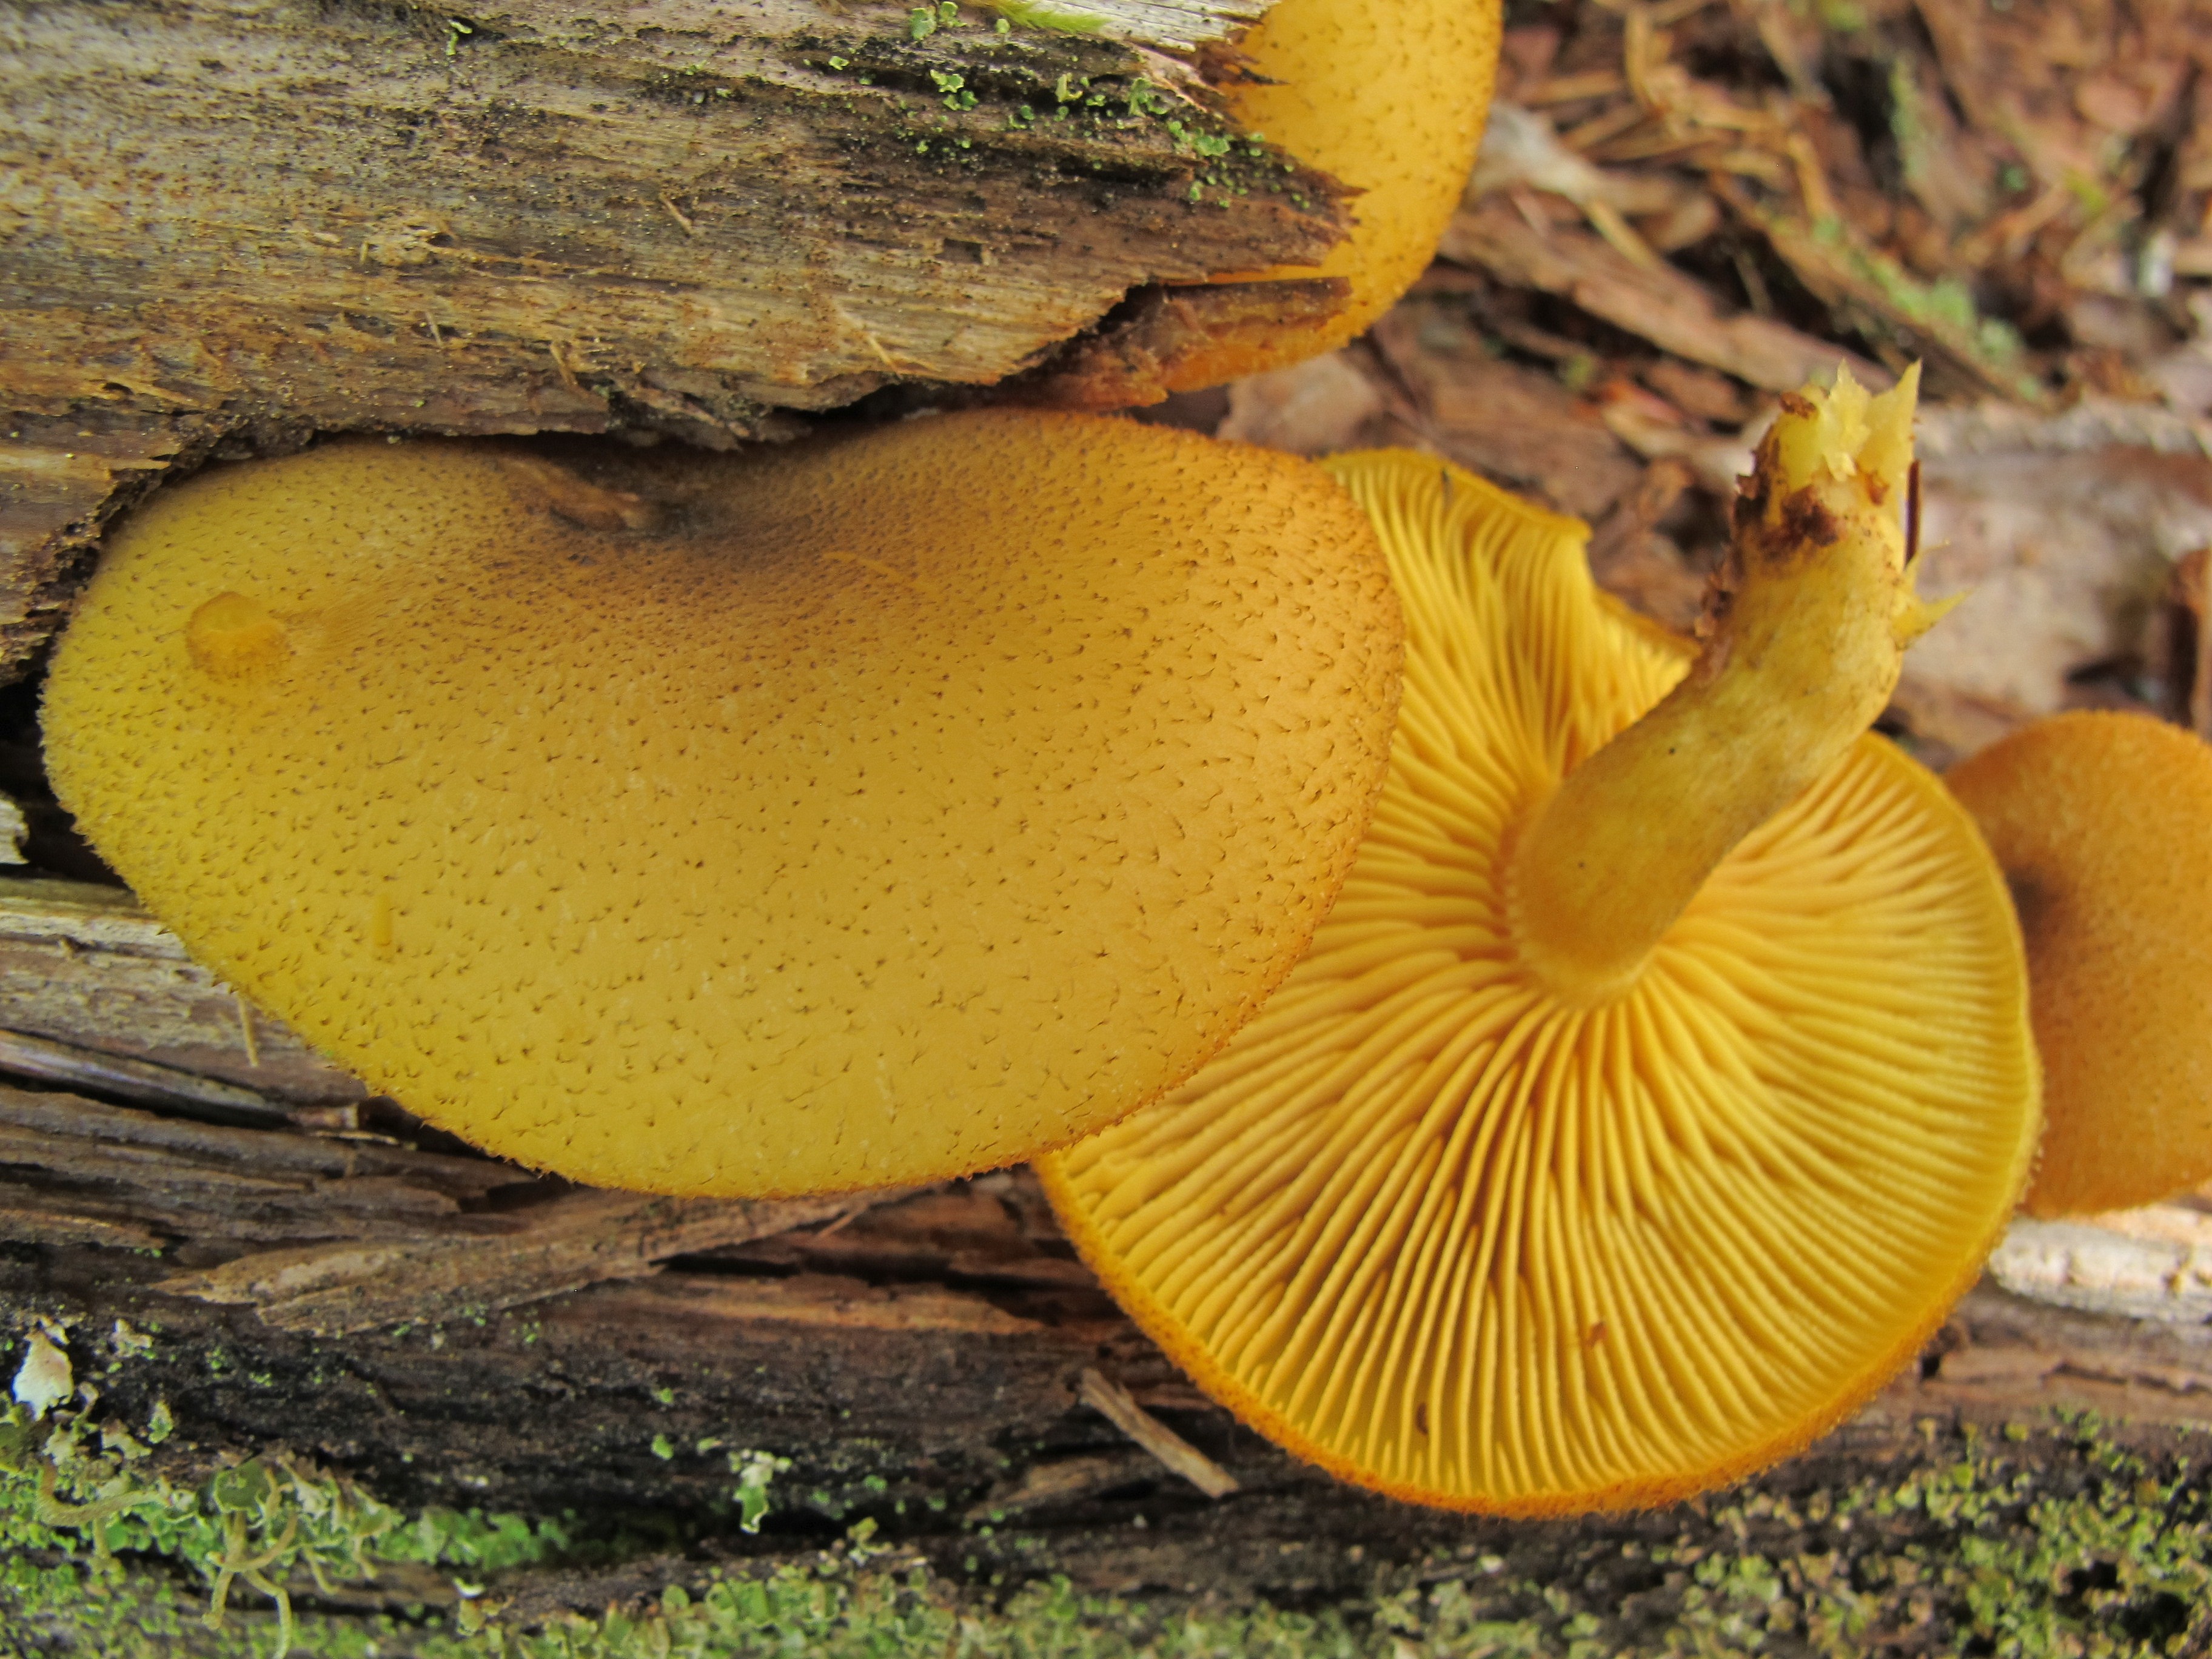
x,y
2150,1263
44,1380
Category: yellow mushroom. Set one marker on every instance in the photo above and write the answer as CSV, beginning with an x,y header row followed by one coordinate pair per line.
x,y
2100,822
1662,1073
864,811
1388,99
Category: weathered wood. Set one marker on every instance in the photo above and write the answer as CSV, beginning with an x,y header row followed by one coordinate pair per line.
x,y
936,1401
86,965
245,220
314,1223
445,1329
580,1239
141,1082
75,1164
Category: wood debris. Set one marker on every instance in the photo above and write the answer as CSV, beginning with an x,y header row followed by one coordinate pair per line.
x,y
846,1304
141,1081
694,222
1682,210
1119,1407
582,1238
2151,1263
1654,301
85,965
1516,424
2002,1358
89,1164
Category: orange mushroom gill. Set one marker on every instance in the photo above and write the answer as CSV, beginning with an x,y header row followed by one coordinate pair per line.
x,y
1662,1073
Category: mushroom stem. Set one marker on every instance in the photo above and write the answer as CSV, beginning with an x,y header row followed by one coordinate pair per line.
x,y
1808,629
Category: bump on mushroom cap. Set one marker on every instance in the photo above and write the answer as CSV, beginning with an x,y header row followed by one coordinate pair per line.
x,y
1389,99
2102,821
862,812
1452,1240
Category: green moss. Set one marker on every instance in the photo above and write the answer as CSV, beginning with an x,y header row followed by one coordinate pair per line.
x,y
74,1495
979,93
2031,1544
859,1614
1943,309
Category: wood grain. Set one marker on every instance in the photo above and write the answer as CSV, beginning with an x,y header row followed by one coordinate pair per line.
x,y
233,222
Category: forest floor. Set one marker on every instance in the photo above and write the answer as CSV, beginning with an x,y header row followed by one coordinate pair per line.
x,y
1682,210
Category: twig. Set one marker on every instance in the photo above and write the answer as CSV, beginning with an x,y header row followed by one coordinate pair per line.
x,y
678,214
1118,1406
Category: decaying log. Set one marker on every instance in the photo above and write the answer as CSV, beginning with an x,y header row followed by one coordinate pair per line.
x,y
583,1238
232,221
335,1285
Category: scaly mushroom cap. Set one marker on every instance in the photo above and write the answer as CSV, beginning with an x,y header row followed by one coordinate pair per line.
x,y
1387,98
1458,1235
864,813
2103,824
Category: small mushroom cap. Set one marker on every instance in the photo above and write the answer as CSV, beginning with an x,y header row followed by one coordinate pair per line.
x,y
2103,824
864,813
1387,98
1452,1238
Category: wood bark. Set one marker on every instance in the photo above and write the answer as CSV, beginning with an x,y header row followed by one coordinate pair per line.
x,y
331,1281
229,223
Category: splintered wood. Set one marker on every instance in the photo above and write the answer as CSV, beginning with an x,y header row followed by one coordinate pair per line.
x,y
1118,1406
691,220
77,1165
579,1239
141,1082
86,966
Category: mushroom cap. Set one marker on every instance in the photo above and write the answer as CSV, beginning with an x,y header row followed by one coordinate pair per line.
x,y
1453,1239
866,812
1389,99
2102,823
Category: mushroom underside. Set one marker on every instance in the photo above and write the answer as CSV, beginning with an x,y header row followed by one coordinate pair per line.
x,y
1451,1236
